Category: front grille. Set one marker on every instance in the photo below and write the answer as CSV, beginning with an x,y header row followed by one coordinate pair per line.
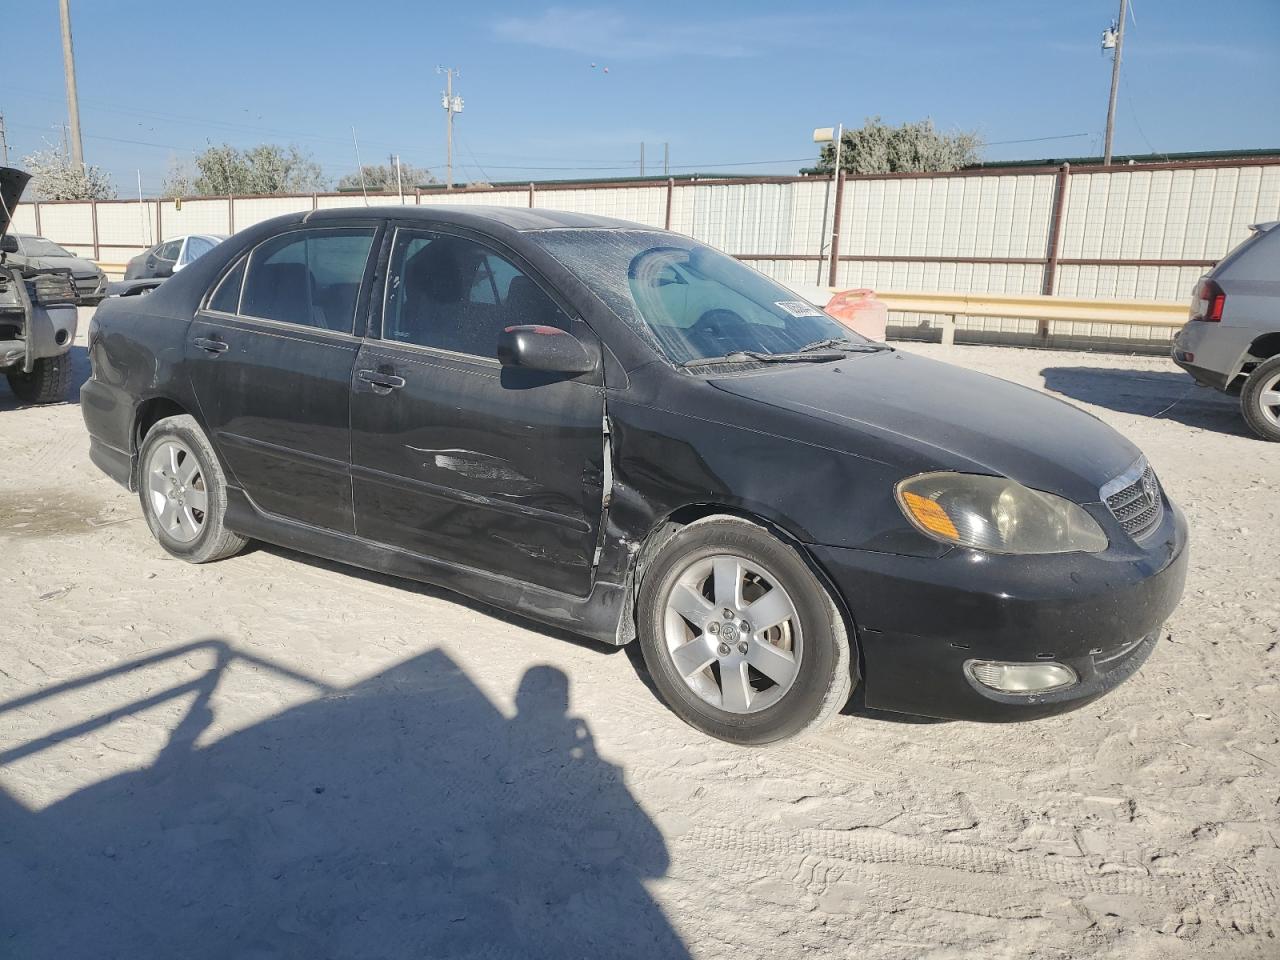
x,y
1134,499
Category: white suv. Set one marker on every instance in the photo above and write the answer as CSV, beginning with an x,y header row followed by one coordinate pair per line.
x,y
1232,341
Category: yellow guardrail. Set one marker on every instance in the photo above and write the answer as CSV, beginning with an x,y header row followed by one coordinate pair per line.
x,y
1156,313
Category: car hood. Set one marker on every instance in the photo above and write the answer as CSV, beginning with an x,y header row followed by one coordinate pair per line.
x,y
966,421
12,183
78,266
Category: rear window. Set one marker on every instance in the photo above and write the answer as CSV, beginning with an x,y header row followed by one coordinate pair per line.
x,y
1256,260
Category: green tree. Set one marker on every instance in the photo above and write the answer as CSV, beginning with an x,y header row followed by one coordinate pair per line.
x,y
264,169
381,178
54,176
878,147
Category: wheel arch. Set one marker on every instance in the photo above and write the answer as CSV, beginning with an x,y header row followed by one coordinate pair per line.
x,y
1265,347
146,415
666,527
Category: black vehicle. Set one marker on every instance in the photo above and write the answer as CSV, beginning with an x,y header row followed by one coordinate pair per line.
x,y
625,433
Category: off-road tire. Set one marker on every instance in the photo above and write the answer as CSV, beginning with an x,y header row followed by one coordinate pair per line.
x,y
46,383
1250,404
215,541
826,673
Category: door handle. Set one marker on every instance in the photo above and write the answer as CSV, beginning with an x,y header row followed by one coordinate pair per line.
x,y
211,345
376,379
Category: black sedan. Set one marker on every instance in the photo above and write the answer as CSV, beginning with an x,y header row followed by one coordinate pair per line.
x,y
620,431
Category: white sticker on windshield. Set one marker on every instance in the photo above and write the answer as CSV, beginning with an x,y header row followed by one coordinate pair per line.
x,y
798,308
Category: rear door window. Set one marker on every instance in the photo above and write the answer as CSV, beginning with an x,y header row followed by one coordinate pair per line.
x,y
169,250
453,293
310,278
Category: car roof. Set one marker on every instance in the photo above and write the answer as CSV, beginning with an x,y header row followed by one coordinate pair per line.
x,y
520,219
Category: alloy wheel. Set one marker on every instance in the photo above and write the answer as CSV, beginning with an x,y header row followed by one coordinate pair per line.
x,y
733,633
176,490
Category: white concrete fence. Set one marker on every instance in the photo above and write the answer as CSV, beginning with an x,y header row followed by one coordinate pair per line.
x,y
1136,232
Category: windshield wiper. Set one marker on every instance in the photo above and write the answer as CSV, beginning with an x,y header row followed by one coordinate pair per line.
x,y
743,356
843,343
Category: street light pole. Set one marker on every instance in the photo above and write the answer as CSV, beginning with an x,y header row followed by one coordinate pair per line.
x,y
827,135
1115,81
73,99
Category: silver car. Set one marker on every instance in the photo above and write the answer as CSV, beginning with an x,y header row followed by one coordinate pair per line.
x,y
37,253
1232,341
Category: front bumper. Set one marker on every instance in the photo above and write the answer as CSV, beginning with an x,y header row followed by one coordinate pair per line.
x,y
920,619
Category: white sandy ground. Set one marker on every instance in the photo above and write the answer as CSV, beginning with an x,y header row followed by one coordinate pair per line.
x,y
320,762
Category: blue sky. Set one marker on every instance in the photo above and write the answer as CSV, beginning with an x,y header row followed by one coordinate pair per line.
x,y
723,83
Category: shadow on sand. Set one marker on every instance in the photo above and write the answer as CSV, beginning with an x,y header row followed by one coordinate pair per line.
x,y
403,816
1166,395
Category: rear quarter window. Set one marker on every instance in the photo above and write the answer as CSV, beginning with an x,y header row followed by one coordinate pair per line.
x,y
1256,260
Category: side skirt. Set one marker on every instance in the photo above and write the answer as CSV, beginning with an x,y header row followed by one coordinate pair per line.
x,y
595,616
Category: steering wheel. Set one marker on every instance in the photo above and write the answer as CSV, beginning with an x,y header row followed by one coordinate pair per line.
x,y
717,328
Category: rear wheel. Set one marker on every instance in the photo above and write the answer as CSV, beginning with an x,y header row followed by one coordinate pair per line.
x,y
741,639
184,492
46,383
1260,400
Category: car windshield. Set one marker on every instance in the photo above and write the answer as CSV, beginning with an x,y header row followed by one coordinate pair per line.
x,y
40,247
692,302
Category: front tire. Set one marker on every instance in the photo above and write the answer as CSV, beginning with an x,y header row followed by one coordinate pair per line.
x,y
1260,400
46,383
184,492
740,637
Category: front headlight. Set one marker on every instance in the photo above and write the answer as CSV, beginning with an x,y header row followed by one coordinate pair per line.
x,y
996,514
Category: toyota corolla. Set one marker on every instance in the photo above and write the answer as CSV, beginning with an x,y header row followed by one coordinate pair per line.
x,y
620,431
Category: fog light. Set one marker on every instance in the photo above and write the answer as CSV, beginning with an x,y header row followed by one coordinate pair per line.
x,y
1020,677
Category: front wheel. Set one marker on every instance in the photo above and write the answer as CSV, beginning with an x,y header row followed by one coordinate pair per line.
x,y
46,383
184,492
742,640
1260,400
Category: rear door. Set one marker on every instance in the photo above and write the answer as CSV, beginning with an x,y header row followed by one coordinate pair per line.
x,y
271,356
454,456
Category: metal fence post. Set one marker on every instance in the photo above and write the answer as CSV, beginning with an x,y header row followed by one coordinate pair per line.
x,y
93,219
671,190
531,194
835,230
231,213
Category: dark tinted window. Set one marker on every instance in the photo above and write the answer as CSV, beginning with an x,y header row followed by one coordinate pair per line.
x,y
226,299
169,250
310,278
456,294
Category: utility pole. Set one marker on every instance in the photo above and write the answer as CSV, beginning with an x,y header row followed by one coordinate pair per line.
x,y
1114,38
451,106
4,144
69,68
642,159
666,159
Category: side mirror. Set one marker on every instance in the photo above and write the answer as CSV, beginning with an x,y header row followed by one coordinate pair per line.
x,y
549,349
8,243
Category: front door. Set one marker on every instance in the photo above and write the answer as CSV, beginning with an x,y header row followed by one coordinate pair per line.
x,y
456,457
271,356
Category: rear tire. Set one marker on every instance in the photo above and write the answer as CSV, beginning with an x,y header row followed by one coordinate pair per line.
x,y
184,492
46,383
1260,400
786,665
